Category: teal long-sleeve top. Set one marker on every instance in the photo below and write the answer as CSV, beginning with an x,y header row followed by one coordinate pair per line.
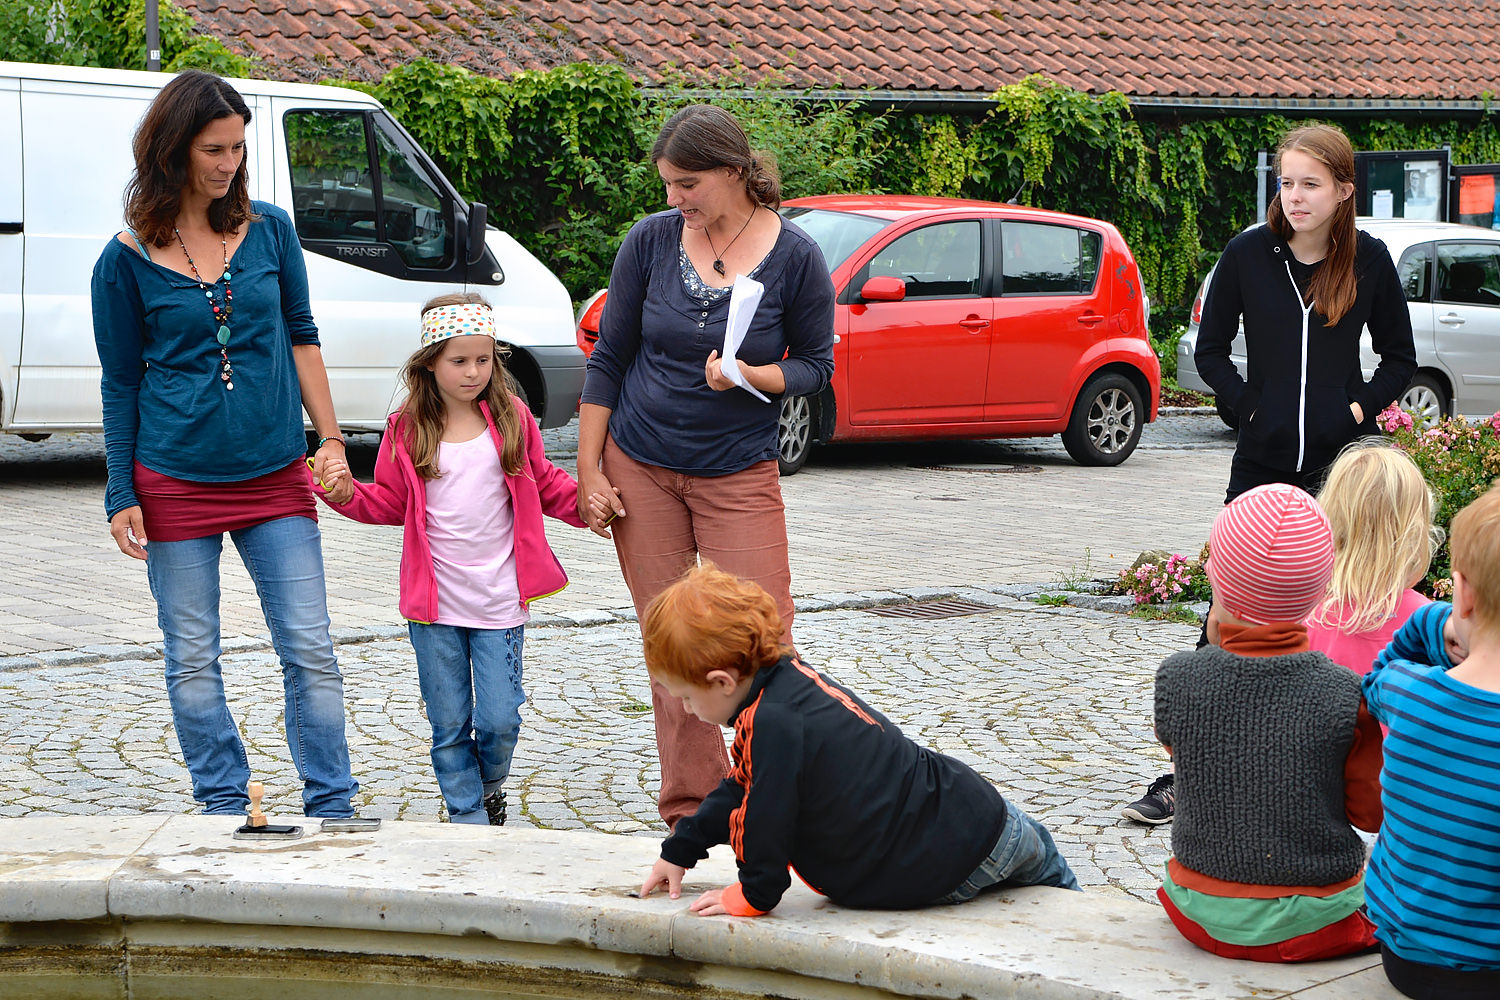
x,y
164,403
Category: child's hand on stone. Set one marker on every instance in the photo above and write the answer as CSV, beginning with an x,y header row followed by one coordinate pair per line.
x,y
667,874
710,904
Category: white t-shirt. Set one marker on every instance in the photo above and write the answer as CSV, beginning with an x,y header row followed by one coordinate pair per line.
x,y
471,531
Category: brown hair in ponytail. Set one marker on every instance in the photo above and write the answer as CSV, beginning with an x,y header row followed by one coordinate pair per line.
x,y
1333,287
425,412
706,137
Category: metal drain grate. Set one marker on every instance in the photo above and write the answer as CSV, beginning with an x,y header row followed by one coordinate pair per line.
x,y
988,467
932,609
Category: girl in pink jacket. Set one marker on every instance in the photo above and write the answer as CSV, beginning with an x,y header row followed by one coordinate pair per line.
x,y
462,467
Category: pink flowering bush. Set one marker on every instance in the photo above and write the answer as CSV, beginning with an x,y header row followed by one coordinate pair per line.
x,y
1460,461
1177,579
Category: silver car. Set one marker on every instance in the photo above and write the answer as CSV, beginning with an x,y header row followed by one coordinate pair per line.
x,y
1451,276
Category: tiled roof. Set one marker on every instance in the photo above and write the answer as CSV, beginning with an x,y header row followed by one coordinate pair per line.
x,y
1190,49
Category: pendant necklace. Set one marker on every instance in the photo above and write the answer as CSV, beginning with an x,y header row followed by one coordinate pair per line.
x,y
221,314
719,257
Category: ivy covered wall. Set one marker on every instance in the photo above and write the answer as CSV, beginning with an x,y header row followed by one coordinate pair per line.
x,y
560,158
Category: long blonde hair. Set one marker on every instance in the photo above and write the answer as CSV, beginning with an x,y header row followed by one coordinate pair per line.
x,y
1380,509
426,413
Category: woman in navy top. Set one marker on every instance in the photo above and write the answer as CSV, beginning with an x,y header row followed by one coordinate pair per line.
x,y
209,354
691,454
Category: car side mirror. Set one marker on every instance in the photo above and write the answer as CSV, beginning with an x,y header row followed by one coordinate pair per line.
x,y
887,288
474,249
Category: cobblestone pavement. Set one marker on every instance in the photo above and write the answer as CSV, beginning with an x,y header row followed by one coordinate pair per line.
x,y
859,518
1053,704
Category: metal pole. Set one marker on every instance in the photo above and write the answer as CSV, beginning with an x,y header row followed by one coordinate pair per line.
x,y
1262,168
153,37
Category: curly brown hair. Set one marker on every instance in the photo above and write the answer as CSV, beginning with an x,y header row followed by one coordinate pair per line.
x,y
162,145
425,412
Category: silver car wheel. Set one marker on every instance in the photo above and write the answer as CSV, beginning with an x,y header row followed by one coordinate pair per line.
x,y
1111,421
1424,404
793,433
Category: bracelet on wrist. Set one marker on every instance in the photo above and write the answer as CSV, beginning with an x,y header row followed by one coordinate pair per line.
x,y
332,437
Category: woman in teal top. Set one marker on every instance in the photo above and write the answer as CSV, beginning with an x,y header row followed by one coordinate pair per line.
x,y
209,355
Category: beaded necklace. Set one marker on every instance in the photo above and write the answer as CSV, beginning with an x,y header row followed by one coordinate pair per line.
x,y
221,314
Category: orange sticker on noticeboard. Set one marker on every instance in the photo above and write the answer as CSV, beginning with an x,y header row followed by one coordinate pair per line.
x,y
1476,194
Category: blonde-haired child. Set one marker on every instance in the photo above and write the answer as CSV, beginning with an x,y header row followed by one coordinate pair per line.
x,y
1380,509
462,466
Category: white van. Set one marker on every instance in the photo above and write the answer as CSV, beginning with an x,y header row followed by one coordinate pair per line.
x,y
383,231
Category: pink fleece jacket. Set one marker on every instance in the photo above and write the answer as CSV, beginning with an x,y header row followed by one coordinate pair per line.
x,y
399,496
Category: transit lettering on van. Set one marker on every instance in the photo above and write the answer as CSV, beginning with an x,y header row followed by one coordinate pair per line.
x,y
382,229
348,251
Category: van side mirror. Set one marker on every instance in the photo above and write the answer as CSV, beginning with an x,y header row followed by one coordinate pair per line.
x,y
886,288
474,248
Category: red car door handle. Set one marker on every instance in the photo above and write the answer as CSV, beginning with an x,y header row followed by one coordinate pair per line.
x,y
1091,318
974,323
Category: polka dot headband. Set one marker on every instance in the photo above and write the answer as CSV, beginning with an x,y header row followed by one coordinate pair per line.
x,y
465,320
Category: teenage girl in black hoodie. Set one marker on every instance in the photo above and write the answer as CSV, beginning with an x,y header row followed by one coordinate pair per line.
x,y
1304,284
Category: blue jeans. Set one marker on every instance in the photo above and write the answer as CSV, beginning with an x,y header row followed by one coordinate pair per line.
x,y
1024,855
471,682
285,560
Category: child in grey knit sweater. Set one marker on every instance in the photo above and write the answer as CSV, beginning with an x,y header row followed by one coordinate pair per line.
x,y
1275,752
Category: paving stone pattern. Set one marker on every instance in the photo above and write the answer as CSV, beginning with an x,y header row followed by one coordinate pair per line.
x,y
1051,703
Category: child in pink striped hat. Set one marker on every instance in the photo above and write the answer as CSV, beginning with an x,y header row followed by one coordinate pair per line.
x,y
1275,752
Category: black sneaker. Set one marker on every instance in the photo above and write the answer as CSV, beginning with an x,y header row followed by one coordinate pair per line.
x,y
1157,806
494,807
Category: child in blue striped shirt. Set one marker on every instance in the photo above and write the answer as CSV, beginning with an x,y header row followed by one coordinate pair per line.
x,y
1433,884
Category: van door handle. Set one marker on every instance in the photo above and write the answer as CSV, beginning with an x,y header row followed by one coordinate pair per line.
x,y
1452,319
1089,319
973,324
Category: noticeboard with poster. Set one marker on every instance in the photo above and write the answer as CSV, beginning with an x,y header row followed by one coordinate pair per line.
x,y
1476,193
1407,184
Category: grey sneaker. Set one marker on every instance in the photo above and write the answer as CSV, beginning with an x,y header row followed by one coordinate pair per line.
x,y
1157,806
494,807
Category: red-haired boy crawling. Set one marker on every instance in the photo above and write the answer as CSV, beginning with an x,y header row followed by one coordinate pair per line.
x,y
821,782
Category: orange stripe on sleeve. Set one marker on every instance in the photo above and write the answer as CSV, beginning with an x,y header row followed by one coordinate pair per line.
x,y
744,730
835,693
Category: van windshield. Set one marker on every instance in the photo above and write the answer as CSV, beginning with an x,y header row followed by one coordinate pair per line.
x,y
838,234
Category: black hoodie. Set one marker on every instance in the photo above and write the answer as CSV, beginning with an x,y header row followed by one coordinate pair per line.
x,y
1303,374
826,784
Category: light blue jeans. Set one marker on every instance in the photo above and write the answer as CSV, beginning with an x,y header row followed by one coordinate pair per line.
x,y
471,683
1023,855
285,560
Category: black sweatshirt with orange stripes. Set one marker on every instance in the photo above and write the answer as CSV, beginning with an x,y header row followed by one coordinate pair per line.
x,y
829,786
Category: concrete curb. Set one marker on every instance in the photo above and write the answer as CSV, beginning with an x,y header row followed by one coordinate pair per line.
x,y
525,904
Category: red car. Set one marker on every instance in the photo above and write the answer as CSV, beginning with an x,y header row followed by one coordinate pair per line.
x,y
970,319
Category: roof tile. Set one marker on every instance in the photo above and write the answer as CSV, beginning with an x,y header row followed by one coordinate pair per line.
x,y
1351,49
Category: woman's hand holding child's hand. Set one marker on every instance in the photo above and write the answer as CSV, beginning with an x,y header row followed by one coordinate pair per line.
x,y
338,481
667,874
598,501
